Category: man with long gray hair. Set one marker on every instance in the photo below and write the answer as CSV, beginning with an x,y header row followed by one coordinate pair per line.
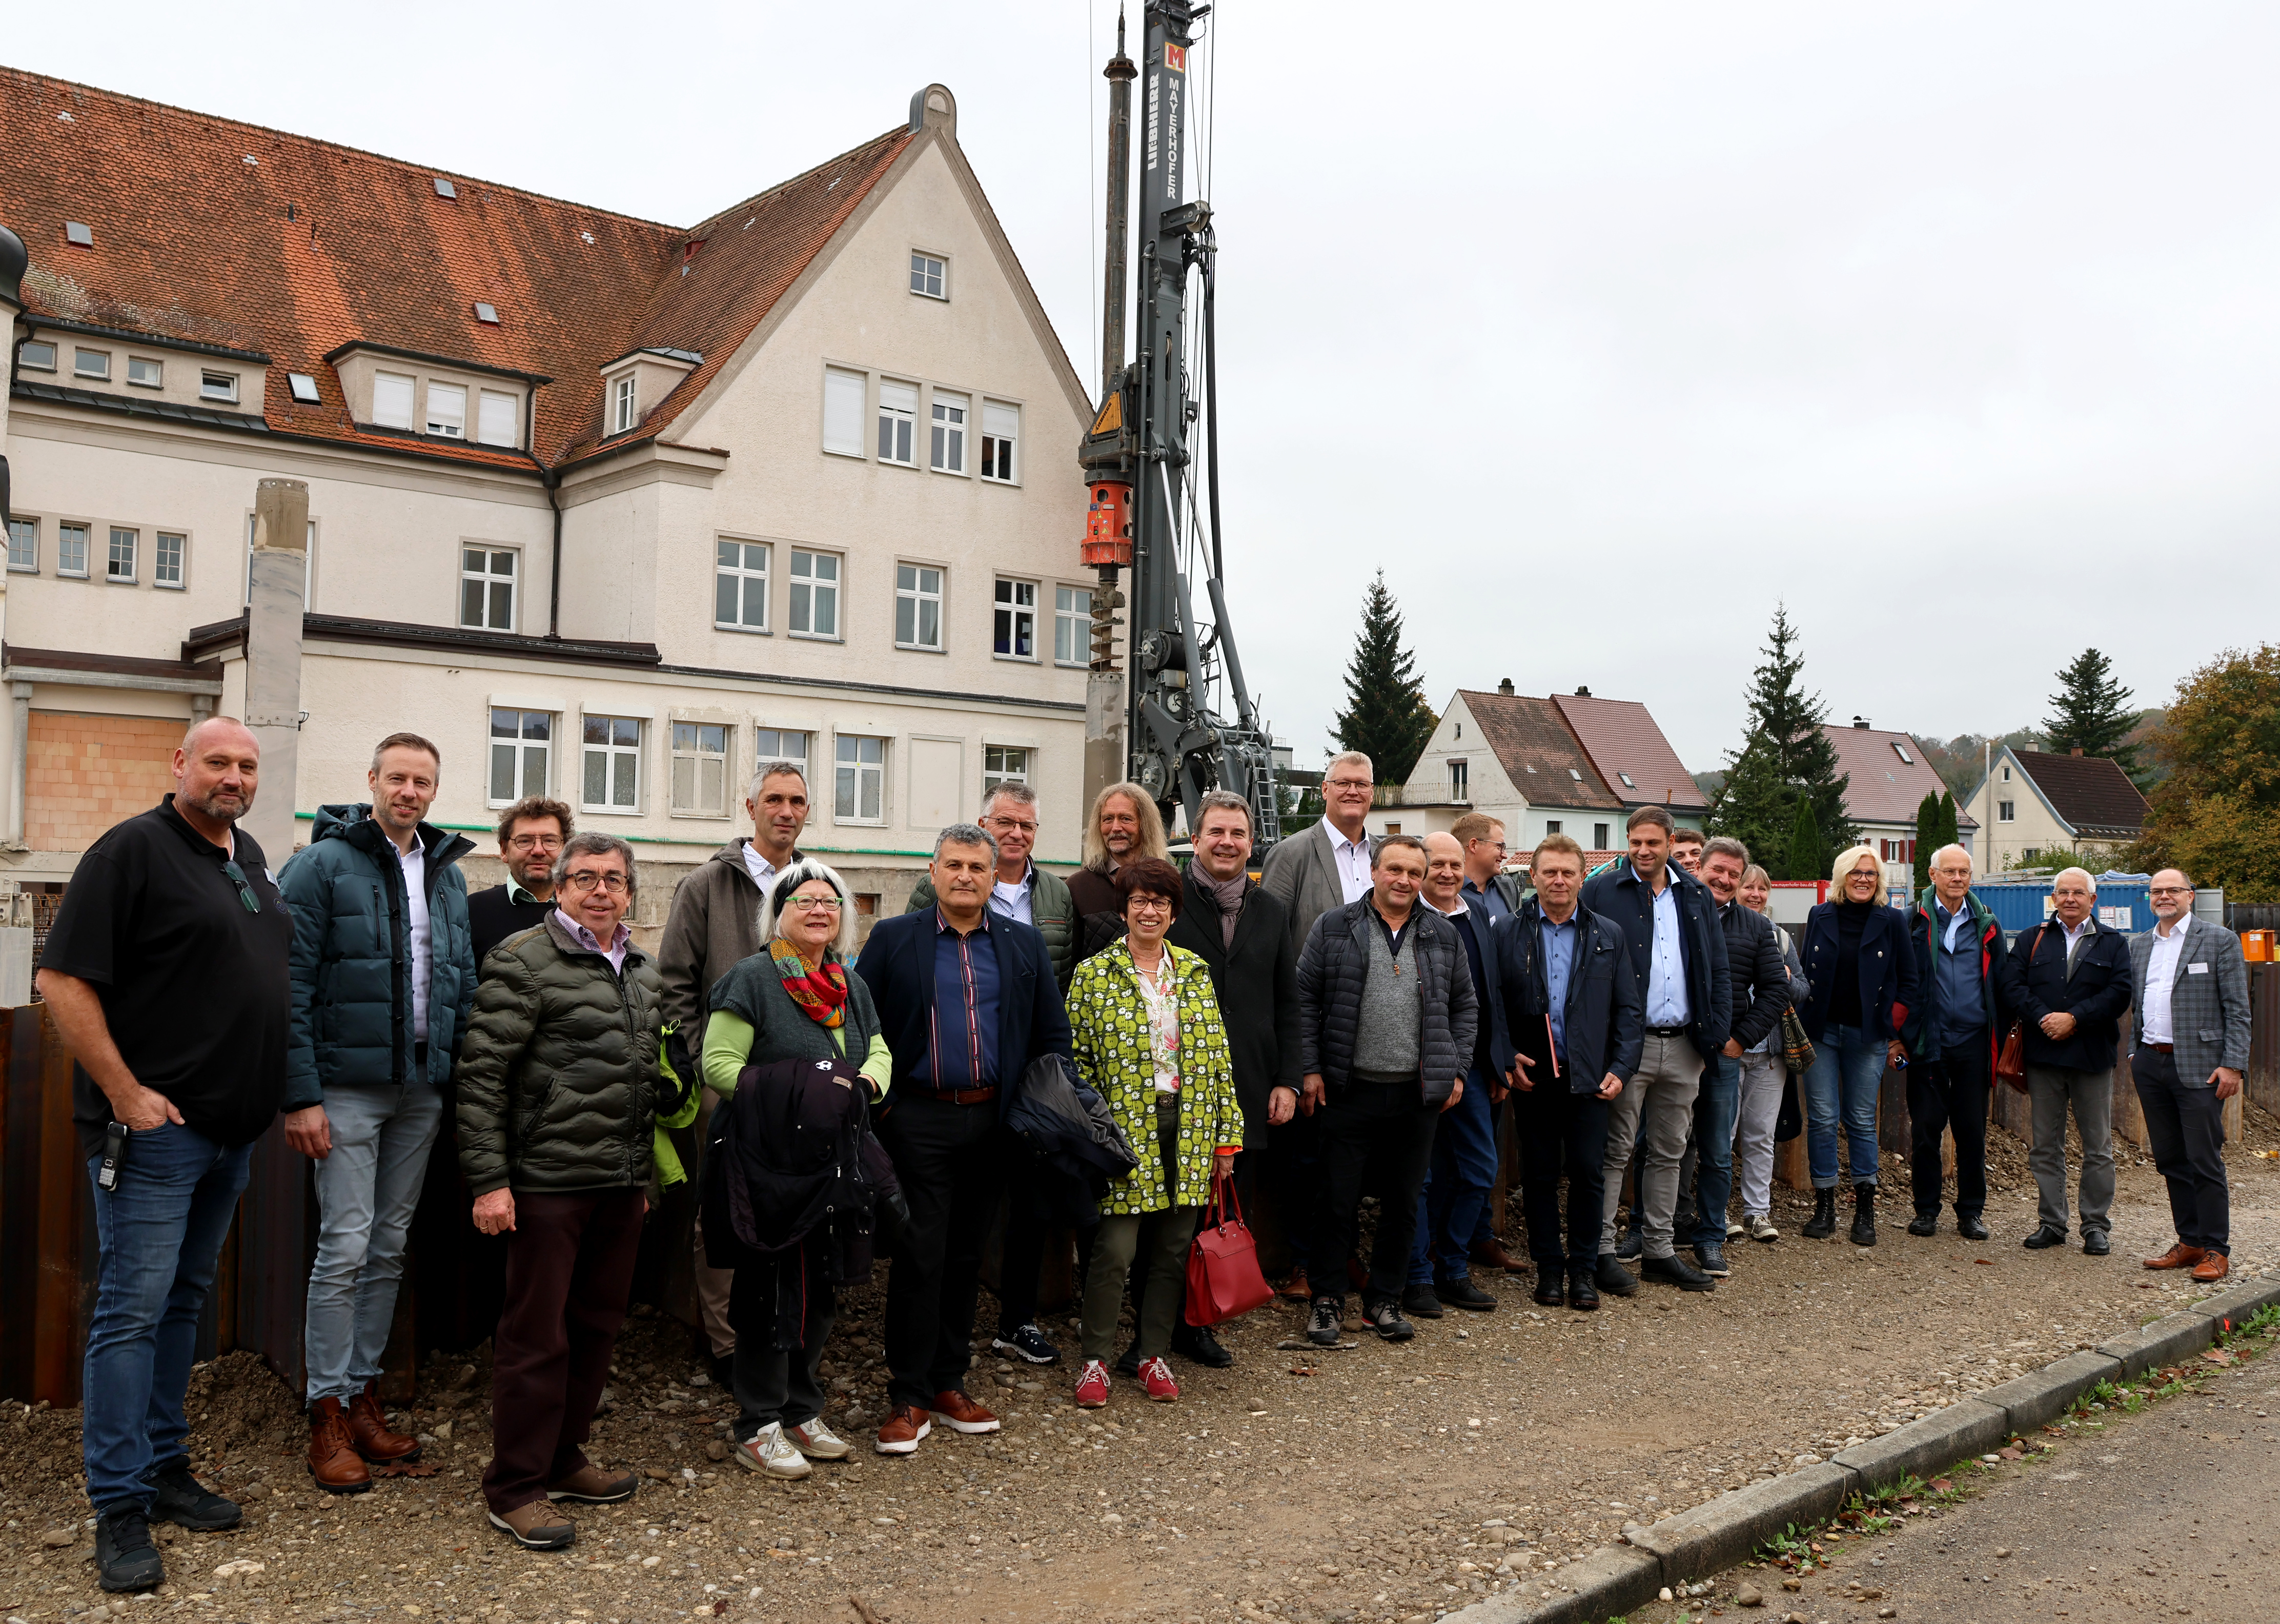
x,y
1962,966
1123,827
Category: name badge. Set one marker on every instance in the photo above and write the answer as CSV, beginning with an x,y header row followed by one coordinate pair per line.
x,y
2196,969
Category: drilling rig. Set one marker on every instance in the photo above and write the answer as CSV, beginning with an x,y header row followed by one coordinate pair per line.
x,y
1157,724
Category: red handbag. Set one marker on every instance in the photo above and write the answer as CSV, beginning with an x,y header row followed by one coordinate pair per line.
x,y
1223,1276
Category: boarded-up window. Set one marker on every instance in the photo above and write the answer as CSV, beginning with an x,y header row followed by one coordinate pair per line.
x,y
936,766
843,412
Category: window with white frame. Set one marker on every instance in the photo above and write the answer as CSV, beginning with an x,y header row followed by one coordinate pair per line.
x,y
38,357
927,276
1072,626
446,410
2007,811
859,789
222,386
814,607
625,403
91,364
918,607
522,746
947,451
145,373
120,566
700,769
611,779
500,419
487,588
1001,426
1002,764
740,587
71,550
391,400
843,411
24,545
1014,623
898,416
166,558
780,744
1460,781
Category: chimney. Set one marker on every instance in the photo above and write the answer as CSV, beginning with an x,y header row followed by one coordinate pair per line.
x,y
1504,686
2077,751
272,658
1859,721
1583,693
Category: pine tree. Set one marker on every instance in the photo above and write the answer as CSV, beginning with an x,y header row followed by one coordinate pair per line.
x,y
1386,717
1948,834
1927,839
1808,858
2093,714
1785,758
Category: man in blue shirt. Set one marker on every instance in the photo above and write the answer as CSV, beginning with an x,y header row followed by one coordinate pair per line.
x,y
1962,964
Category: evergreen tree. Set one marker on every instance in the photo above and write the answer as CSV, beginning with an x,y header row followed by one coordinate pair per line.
x,y
2093,714
1808,858
1785,758
1927,839
1948,834
1386,716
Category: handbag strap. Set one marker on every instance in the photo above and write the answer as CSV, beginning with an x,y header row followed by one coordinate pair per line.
x,y
1223,1193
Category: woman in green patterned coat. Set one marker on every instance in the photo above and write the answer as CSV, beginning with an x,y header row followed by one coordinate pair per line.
x,y
1147,1033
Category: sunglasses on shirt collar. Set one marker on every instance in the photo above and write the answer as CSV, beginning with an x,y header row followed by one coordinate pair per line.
x,y
245,890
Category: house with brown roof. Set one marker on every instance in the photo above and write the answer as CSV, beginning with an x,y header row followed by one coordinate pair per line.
x,y
1887,779
609,508
1569,764
2053,811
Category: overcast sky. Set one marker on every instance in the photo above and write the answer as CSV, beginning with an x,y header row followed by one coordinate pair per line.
x,y
1598,328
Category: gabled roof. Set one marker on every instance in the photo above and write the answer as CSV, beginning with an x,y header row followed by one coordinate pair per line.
x,y
1887,785
2091,794
1633,758
232,235
1538,752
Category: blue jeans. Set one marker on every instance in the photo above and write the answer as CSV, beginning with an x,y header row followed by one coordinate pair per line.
x,y
1455,1198
1715,1108
159,1236
1848,1069
366,1191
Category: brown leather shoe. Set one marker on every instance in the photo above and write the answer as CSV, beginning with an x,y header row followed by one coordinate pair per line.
x,y
332,1458
2178,1257
2213,1268
1297,1289
368,1430
590,1485
959,1413
903,1429
536,1527
1490,1254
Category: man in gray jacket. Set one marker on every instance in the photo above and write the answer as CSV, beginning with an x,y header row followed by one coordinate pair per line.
x,y
1760,981
1327,866
710,929
1387,1015
2190,1047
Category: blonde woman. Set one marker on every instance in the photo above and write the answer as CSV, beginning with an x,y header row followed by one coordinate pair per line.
x,y
1860,975
1146,1026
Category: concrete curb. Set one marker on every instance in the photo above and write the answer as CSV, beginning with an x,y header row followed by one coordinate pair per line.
x,y
1694,1545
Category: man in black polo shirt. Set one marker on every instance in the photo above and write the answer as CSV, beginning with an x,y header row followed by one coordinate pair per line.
x,y
166,973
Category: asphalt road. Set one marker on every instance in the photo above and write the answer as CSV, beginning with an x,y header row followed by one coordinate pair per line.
x,y
2168,1514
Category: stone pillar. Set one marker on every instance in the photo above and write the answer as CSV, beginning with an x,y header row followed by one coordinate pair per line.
x,y
273,659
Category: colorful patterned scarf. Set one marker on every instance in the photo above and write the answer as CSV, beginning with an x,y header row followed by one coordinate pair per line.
x,y
821,993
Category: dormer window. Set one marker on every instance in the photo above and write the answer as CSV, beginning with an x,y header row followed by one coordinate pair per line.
x,y
144,372
91,364
220,387
391,400
447,410
625,403
36,358
499,421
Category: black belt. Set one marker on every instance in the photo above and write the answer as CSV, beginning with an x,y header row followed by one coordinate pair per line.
x,y
1665,1031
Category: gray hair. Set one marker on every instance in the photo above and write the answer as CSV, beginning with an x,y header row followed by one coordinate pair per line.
x,y
1347,758
966,835
1726,845
1151,841
772,916
766,770
1009,789
591,844
1224,800
2088,878
1943,850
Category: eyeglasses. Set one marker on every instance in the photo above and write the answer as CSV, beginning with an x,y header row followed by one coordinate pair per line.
x,y
809,905
245,890
1349,783
2168,890
1497,846
535,843
1147,905
1028,826
587,879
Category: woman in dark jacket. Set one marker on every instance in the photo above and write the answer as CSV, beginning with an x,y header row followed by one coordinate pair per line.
x,y
1863,976
795,999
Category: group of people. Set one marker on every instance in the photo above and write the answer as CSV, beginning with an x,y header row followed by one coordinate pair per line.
x,y
1112,1053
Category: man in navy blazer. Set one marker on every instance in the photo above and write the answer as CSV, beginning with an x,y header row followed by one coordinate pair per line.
x,y
966,999
1464,1167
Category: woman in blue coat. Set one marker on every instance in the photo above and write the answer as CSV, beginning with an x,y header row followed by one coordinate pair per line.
x,y
1862,978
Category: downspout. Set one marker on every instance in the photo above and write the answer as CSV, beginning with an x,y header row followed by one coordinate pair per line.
x,y
552,483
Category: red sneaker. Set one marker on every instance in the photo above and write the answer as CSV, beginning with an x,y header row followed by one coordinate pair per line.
x,y
1156,1376
1092,1385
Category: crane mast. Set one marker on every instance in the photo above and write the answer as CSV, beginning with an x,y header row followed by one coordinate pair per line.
x,y
1157,723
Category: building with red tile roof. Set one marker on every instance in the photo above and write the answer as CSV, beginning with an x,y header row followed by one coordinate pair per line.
x,y
2042,808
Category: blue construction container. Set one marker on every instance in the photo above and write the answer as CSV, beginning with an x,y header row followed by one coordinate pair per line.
x,y
2022,905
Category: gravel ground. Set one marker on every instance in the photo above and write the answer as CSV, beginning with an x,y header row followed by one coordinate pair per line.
x,y
1373,1483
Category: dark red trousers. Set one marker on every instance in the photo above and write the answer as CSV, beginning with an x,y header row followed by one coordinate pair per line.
x,y
569,1273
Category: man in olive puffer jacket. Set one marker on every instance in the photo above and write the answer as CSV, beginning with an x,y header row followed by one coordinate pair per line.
x,y
558,1086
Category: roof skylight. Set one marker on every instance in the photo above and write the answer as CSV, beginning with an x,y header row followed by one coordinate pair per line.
x,y
445,189
304,388
486,312
73,232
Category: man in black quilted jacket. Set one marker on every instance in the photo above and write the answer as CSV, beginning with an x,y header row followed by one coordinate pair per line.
x,y
1387,1018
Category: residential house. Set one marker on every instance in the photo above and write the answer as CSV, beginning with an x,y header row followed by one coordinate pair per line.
x,y
1888,779
2049,810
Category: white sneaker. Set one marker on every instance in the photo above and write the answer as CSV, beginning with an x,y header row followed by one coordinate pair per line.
x,y
1761,1228
818,1442
1733,1230
769,1452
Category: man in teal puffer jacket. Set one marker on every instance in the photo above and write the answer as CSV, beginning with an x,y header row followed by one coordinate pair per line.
x,y
383,972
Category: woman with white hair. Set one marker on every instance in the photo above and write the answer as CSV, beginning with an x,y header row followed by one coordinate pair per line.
x,y
795,999
1861,973
1764,1080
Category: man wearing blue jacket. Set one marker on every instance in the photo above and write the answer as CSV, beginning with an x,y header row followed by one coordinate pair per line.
x,y
383,972
1677,947
1952,1028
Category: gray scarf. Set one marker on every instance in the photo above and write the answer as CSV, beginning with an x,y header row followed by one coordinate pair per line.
x,y
1230,895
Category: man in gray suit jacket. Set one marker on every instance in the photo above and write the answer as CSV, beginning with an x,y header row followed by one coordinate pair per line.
x,y
1322,869
2190,1045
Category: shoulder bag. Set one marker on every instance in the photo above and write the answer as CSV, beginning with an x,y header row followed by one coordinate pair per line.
x,y
2011,1058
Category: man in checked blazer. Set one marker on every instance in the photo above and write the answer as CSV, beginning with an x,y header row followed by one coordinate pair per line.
x,y
2190,1045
